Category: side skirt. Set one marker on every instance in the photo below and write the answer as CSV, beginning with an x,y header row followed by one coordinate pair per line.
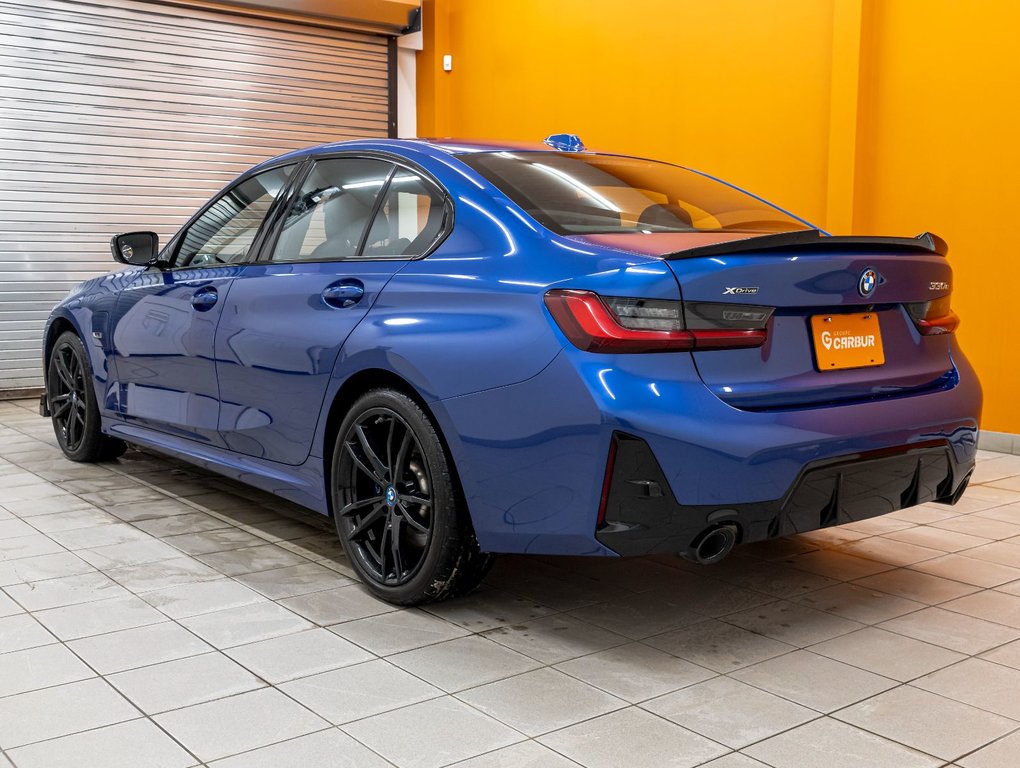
x,y
302,484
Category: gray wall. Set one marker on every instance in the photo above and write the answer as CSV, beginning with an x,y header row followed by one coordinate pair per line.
x,y
129,115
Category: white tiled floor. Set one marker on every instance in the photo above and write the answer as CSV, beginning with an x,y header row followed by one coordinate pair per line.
x,y
155,615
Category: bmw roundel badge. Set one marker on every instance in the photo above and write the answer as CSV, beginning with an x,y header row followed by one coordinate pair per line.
x,y
867,283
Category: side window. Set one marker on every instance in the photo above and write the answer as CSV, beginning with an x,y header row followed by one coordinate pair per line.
x,y
331,212
409,220
225,232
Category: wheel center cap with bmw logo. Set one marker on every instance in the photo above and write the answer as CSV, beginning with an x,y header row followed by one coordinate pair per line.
x,y
391,495
867,283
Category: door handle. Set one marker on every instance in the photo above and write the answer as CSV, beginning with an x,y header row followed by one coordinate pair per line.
x,y
343,295
204,298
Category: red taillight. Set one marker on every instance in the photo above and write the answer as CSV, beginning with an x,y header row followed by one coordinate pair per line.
x,y
937,325
933,318
731,338
591,325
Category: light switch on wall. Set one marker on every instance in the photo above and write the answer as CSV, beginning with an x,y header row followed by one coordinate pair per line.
x,y
447,62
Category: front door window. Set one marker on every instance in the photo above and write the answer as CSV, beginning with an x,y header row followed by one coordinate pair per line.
x,y
224,234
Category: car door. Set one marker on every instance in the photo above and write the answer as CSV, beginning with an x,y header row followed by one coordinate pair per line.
x,y
352,224
164,324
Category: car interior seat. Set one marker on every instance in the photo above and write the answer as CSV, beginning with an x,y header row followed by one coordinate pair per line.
x,y
433,225
665,216
344,220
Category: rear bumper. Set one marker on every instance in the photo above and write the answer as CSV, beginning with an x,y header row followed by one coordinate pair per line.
x,y
532,456
643,517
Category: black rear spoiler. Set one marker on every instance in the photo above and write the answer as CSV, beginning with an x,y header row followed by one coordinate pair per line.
x,y
813,239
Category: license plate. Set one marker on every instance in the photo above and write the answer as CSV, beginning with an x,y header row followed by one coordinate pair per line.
x,y
847,341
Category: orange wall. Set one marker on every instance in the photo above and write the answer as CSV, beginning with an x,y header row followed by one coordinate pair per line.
x,y
672,79
876,115
939,149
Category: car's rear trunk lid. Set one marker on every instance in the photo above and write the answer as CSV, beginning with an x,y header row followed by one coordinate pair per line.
x,y
804,276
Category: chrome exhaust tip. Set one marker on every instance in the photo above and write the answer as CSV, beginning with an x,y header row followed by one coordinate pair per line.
x,y
713,544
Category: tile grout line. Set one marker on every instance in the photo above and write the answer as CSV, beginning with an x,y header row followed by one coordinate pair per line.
x,y
773,599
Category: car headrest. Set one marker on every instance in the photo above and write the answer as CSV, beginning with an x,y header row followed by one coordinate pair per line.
x,y
665,215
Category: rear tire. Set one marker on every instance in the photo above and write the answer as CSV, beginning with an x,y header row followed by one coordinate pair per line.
x,y
396,505
71,398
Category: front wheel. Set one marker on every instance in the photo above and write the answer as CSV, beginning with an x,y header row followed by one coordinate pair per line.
x,y
71,399
396,507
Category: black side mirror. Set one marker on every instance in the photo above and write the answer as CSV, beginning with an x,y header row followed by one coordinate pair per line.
x,y
138,248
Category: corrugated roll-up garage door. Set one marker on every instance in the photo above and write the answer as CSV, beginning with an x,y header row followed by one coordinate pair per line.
x,y
127,116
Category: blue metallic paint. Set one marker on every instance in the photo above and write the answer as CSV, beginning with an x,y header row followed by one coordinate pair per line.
x,y
565,142
527,417
781,372
268,307
161,347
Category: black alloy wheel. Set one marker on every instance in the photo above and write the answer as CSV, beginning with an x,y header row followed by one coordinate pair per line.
x,y
396,506
387,503
67,396
71,399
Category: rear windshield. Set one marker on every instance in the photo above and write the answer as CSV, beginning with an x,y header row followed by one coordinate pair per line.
x,y
582,194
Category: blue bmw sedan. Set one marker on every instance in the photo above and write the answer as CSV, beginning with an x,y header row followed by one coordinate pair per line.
x,y
458,349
